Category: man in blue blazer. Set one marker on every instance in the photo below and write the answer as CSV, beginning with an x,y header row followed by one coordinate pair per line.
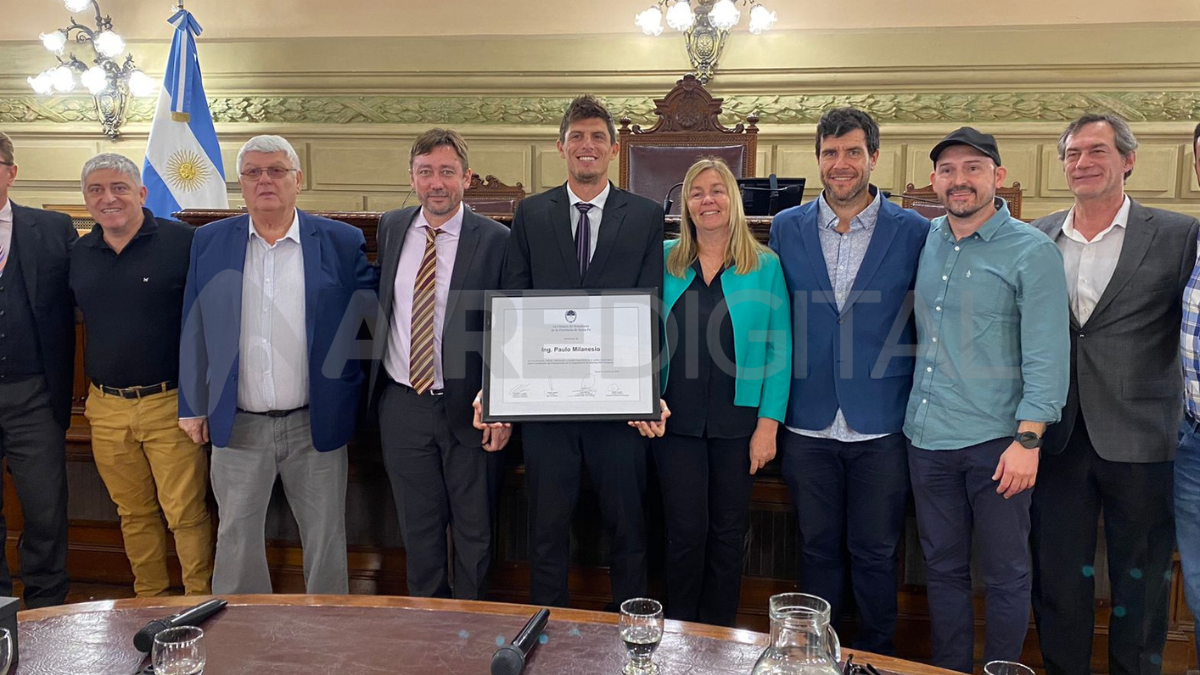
x,y
850,261
269,371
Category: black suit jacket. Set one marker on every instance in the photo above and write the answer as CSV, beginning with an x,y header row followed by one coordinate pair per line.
x,y
629,251
1125,370
44,241
477,266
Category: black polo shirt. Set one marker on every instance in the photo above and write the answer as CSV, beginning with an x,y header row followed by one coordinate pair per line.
x,y
132,303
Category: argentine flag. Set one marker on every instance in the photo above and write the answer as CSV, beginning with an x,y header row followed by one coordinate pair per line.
x,y
183,161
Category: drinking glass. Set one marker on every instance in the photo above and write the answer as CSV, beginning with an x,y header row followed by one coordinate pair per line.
x,y
1006,668
641,631
179,651
6,651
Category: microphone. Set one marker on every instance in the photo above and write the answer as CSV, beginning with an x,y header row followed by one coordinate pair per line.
x,y
510,659
667,199
144,639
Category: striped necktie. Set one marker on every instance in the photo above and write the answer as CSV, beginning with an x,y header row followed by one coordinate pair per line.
x,y
420,364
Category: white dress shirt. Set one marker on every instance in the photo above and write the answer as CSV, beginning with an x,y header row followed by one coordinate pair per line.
x,y
397,358
6,225
273,372
594,216
1089,265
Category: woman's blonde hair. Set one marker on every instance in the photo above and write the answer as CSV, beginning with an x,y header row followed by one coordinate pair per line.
x,y
743,249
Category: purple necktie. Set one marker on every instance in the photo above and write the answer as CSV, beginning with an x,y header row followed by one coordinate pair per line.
x,y
583,237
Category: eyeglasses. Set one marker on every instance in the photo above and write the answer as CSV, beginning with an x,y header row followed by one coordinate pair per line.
x,y
7,163
274,172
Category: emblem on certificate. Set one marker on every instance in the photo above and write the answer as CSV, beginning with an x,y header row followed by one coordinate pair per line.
x,y
571,356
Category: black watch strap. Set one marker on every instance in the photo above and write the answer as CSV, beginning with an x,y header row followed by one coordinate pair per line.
x,y
1028,439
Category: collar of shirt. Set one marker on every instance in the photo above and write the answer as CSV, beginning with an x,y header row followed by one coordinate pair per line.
x,y
293,232
1120,220
985,231
597,201
864,220
449,229
6,212
149,227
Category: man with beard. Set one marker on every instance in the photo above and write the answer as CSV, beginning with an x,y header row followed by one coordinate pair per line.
x,y
992,371
850,261
436,261
1126,269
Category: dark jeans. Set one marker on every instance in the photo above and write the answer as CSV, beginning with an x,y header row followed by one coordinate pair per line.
x,y
1187,515
706,485
35,447
556,453
850,496
437,482
955,496
1073,488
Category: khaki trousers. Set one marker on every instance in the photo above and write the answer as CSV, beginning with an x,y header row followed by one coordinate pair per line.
x,y
146,461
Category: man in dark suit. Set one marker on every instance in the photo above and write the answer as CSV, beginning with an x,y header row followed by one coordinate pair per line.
x,y
586,234
1126,268
267,367
850,260
37,364
436,262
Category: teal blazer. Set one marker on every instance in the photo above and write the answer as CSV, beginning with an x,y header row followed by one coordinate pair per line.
x,y
762,331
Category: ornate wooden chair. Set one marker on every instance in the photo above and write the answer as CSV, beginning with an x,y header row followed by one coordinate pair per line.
x,y
653,160
491,197
925,202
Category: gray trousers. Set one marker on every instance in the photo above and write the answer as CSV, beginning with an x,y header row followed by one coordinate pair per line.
x,y
243,474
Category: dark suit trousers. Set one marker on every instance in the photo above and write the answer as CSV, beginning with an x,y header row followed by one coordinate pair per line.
x,y
615,458
706,485
956,498
1072,489
35,446
851,496
437,483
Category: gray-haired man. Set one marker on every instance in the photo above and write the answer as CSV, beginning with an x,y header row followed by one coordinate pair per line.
x,y
266,371
1126,269
128,276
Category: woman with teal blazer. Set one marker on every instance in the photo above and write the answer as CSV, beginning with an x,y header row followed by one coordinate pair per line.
x,y
726,380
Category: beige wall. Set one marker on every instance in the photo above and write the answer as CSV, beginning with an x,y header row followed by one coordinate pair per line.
x,y
352,106
145,19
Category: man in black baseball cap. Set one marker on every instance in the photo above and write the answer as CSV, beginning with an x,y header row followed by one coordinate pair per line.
x,y
991,373
985,143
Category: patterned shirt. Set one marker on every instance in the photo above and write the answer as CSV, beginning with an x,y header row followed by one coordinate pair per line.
x,y
844,254
1189,343
993,347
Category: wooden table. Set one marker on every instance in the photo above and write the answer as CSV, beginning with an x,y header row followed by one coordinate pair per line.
x,y
377,634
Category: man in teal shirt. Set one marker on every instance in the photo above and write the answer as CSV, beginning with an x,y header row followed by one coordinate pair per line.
x,y
992,371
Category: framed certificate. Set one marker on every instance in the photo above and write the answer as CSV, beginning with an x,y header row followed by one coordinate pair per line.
x,y
571,356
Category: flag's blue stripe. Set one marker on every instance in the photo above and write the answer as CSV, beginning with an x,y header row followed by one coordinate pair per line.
x,y
159,199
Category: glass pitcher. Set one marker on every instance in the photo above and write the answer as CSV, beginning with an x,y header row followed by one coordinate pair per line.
x,y
802,641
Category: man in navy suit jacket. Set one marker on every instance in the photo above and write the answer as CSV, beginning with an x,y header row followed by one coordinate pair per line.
x,y
850,260
268,368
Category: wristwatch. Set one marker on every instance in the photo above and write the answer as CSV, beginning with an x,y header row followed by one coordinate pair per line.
x,y
1028,440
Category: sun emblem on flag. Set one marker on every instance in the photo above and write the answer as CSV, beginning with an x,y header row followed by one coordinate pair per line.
x,y
187,171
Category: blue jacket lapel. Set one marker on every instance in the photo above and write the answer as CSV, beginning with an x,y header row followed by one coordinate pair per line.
x,y
885,231
310,244
816,256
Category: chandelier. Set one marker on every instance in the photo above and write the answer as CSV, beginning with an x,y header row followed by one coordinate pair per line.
x,y
706,27
108,81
